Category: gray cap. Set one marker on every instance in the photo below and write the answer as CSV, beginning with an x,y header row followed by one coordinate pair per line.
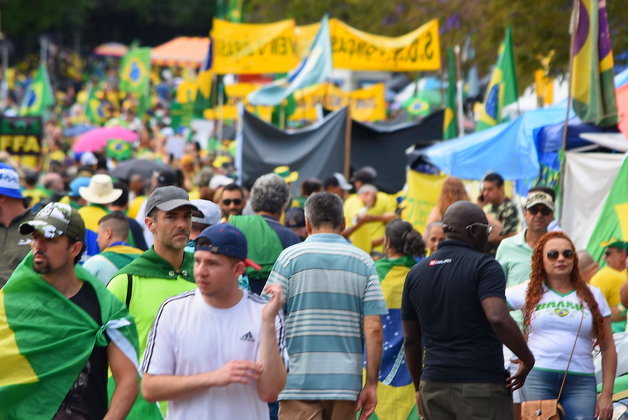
x,y
210,210
167,199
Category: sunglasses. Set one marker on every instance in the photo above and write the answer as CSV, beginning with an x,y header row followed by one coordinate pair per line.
x,y
228,201
543,210
472,226
553,254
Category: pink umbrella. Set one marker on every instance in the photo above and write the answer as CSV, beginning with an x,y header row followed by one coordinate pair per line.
x,y
96,139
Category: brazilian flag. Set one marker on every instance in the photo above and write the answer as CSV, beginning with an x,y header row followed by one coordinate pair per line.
x,y
46,340
135,71
416,106
395,391
502,89
39,95
94,107
119,149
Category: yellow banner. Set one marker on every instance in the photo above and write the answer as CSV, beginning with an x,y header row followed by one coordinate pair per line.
x,y
244,48
357,50
186,91
305,35
423,192
237,93
367,104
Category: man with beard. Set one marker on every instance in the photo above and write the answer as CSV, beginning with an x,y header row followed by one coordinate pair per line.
x,y
62,329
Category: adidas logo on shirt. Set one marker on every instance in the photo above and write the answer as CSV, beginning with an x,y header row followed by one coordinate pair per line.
x,y
248,337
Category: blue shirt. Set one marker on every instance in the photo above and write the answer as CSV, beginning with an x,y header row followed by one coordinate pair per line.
x,y
330,285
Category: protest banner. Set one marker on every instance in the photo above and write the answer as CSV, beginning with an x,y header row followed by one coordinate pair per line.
x,y
21,136
245,48
368,104
237,93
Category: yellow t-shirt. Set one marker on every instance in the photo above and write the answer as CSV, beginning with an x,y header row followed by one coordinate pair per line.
x,y
609,281
365,234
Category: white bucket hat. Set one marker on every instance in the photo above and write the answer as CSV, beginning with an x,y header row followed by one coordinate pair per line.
x,y
100,190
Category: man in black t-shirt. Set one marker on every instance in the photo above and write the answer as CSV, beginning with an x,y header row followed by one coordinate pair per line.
x,y
454,308
58,233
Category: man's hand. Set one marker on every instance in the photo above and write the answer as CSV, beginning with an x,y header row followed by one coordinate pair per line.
x,y
367,401
237,371
516,381
417,397
274,305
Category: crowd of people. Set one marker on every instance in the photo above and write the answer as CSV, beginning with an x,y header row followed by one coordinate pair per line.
x,y
218,298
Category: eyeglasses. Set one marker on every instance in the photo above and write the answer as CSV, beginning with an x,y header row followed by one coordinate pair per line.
x,y
543,210
228,201
553,254
472,226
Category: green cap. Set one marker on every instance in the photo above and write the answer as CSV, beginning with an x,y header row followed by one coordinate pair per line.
x,y
615,243
54,220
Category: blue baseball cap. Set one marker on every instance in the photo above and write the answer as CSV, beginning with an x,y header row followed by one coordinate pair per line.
x,y
10,182
225,239
77,183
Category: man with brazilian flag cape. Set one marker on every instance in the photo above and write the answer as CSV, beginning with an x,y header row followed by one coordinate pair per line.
x,y
54,317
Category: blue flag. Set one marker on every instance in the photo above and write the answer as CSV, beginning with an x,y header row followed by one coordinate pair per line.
x,y
312,70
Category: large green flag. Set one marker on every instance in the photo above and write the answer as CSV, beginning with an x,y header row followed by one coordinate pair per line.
x,y
135,71
450,122
502,89
612,225
592,72
46,340
39,95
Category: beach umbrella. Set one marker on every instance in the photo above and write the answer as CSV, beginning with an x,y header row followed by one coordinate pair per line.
x,y
96,139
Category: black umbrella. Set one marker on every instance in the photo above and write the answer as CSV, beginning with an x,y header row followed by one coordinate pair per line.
x,y
143,167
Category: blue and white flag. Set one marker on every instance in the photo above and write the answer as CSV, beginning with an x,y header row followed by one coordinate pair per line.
x,y
312,70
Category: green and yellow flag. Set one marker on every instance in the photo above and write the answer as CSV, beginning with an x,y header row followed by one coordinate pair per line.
x,y
612,225
592,75
135,71
94,110
450,121
395,391
502,89
39,95
46,340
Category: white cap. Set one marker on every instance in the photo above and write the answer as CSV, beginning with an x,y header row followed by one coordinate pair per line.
x,y
211,212
219,181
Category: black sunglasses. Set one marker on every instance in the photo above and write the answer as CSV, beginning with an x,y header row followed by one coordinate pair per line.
x,y
472,226
228,201
544,211
553,254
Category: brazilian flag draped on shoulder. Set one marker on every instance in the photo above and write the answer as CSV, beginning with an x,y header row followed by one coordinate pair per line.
x,y
395,391
502,89
46,340
39,95
592,72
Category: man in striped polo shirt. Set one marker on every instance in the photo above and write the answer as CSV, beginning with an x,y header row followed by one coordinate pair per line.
x,y
333,307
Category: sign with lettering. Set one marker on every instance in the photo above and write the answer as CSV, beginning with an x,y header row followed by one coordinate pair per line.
x,y
21,136
252,48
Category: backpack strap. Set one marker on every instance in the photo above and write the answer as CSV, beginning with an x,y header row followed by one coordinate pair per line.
x,y
129,289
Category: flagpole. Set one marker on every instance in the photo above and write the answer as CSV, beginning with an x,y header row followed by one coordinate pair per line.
x,y
574,30
459,93
348,143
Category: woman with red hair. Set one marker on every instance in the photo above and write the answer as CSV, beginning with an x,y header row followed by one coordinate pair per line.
x,y
555,302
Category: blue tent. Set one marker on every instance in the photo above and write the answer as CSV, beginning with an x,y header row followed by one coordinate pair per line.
x,y
507,149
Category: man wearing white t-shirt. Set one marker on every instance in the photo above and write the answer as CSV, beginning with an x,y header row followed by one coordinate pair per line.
x,y
218,351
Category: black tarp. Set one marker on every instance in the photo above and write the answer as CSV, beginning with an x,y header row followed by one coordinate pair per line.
x,y
316,151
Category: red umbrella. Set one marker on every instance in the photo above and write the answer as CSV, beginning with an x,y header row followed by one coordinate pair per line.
x,y
97,138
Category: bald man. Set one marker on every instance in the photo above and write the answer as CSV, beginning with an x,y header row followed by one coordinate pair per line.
x,y
586,265
454,306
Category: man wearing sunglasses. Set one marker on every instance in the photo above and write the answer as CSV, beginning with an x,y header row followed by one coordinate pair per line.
x,y
232,201
455,319
611,278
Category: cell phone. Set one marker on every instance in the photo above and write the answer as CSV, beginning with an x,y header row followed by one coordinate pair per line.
x,y
481,197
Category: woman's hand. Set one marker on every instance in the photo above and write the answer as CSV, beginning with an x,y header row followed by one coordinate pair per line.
x,y
604,407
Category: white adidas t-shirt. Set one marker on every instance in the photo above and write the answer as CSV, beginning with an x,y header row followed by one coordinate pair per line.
x,y
190,337
554,325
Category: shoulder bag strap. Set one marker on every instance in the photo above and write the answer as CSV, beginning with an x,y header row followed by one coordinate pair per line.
x,y
571,355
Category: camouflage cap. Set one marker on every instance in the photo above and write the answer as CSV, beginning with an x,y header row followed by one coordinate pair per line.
x,y
54,220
